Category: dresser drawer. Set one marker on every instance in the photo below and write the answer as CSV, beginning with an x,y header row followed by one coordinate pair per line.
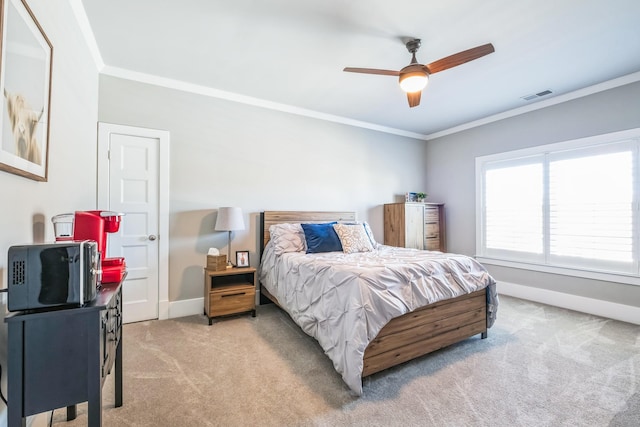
x,y
431,214
432,231
433,244
230,301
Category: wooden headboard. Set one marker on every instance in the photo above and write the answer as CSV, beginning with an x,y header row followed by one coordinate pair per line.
x,y
269,218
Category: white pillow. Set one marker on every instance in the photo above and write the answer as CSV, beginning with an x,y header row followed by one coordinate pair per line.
x,y
367,228
287,238
353,238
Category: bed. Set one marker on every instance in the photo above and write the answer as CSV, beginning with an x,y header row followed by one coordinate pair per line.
x,y
371,309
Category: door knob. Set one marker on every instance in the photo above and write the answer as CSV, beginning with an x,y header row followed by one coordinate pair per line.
x,y
152,237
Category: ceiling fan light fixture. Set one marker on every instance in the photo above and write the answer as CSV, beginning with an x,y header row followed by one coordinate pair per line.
x,y
413,81
414,77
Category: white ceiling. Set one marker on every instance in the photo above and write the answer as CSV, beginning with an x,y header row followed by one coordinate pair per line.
x,y
290,53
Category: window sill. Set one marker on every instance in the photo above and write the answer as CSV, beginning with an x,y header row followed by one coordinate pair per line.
x,y
595,275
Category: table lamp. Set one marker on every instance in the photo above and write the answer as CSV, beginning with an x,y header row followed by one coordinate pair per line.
x,y
229,219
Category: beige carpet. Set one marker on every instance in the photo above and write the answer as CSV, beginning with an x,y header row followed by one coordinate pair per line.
x,y
540,366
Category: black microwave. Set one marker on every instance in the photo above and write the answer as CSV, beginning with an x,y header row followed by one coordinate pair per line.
x,y
50,275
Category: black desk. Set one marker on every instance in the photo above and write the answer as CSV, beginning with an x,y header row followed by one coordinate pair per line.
x,y
60,358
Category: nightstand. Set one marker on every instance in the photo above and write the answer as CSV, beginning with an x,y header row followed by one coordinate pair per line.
x,y
229,291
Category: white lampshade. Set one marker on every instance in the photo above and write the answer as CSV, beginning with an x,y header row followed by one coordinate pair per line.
x,y
229,219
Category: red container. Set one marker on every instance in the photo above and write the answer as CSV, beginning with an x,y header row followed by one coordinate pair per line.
x,y
113,270
113,262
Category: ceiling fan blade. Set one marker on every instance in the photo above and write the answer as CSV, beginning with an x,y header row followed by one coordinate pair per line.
x,y
460,58
372,71
414,98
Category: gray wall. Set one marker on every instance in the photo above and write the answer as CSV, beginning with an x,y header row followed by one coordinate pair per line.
x,y
27,206
451,175
225,153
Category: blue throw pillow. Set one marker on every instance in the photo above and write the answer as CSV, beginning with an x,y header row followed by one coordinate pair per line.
x,y
321,238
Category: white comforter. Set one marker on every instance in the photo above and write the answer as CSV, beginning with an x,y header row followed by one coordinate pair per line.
x,y
343,300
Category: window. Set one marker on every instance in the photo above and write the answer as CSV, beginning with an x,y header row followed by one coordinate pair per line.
x,y
569,205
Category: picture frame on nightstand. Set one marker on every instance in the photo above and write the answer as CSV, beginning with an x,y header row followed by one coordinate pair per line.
x,y
242,259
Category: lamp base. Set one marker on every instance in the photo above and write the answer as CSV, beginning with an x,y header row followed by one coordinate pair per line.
x,y
229,263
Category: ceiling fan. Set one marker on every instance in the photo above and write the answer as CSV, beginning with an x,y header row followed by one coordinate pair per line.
x,y
414,77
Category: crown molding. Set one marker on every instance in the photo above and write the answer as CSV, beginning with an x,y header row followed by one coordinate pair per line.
x,y
89,37
249,100
590,90
85,28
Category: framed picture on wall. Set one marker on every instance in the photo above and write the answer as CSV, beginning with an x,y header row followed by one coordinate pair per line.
x,y
242,258
25,84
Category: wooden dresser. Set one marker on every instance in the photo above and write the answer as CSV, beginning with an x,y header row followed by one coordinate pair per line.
x,y
415,225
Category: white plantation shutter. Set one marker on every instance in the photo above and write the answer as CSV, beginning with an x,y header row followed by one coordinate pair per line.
x,y
514,208
591,207
567,205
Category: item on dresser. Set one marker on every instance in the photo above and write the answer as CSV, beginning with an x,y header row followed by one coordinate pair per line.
x,y
45,276
94,225
370,310
63,226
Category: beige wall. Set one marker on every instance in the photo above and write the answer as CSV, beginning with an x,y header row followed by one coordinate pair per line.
x,y
225,153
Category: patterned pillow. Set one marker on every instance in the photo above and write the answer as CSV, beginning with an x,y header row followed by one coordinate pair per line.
x,y
287,238
367,228
354,238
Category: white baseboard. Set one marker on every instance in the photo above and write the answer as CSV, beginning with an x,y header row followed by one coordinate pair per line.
x,y
186,307
612,310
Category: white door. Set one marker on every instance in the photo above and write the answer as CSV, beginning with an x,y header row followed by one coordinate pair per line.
x,y
130,179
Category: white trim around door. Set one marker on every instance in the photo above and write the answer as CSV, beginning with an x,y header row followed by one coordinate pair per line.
x,y
104,129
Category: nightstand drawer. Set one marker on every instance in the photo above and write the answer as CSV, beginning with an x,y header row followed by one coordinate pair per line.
x,y
236,300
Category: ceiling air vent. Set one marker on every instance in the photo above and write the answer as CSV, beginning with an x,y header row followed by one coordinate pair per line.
x,y
537,95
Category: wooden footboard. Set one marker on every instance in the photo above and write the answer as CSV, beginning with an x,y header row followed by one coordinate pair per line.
x,y
425,330
414,334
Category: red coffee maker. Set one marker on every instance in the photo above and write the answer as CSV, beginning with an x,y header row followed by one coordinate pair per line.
x,y
94,225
